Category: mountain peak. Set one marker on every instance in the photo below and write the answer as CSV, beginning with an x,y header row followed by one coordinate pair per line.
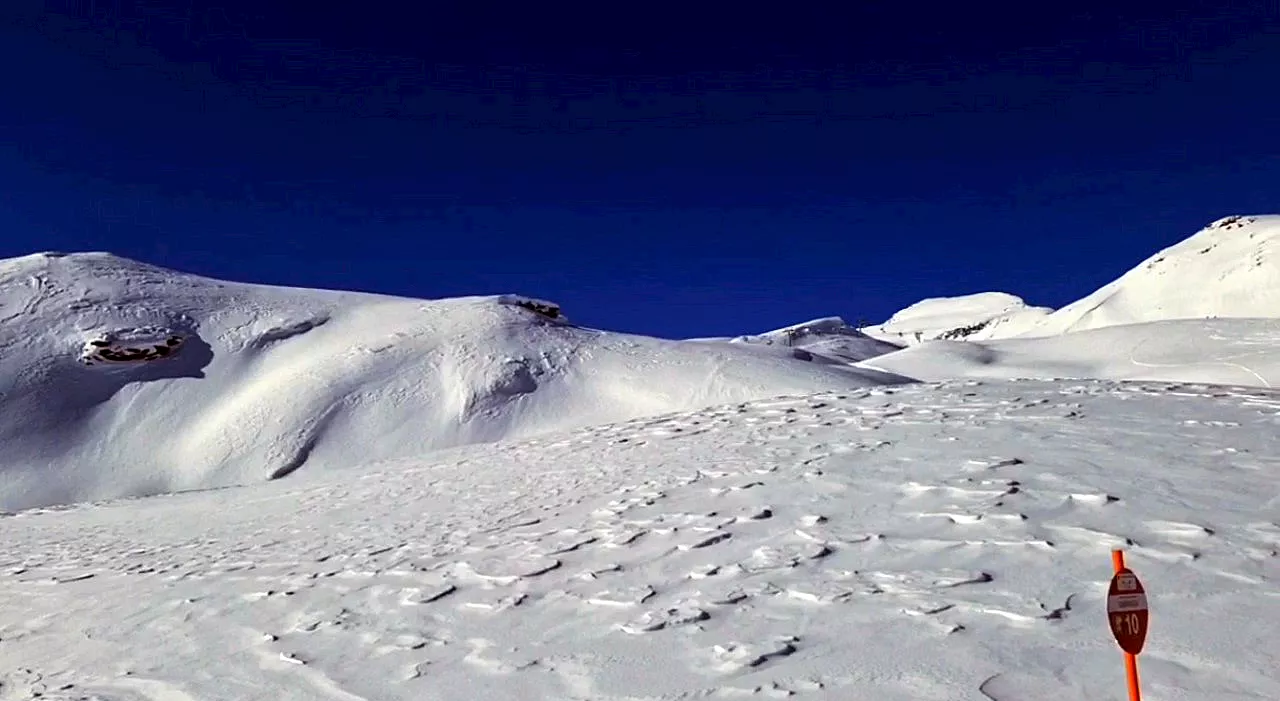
x,y
1228,269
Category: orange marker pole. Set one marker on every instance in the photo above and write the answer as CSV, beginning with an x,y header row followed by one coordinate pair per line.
x,y
1130,660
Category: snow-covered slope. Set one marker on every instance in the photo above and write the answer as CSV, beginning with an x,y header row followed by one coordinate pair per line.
x,y
973,317
840,541
928,543
825,340
119,379
1223,351
1230,269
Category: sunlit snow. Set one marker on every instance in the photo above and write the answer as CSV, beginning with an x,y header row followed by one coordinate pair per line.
x,y
340,496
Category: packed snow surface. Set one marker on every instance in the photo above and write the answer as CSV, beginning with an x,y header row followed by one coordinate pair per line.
x,y
122,379
924,543
1224,351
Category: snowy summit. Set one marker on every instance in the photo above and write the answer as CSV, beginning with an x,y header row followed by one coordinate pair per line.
x,y
354,497
970,317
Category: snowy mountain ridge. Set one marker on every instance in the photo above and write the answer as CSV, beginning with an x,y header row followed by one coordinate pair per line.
x,y
1229,269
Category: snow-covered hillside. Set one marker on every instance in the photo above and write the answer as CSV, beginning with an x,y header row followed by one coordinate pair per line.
x,y
924,543
122,379
973,317
1230,269
1204,310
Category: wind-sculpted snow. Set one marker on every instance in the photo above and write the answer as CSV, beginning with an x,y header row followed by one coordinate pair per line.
x,y
926,543
122,379
922,543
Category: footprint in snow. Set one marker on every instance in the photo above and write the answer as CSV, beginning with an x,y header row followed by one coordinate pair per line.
x,y
508,570
736,656
621,596
683,613
924,581
766,558
705,540
479,657
826,591
565,542
1180,532
425,595
497,604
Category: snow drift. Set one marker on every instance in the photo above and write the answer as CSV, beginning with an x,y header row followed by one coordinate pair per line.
x,y
123,379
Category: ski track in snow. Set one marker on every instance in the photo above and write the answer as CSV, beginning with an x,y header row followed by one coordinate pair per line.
x,y
1229,361
925,542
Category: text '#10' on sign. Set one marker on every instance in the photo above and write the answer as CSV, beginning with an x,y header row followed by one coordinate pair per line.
x,y
1127,611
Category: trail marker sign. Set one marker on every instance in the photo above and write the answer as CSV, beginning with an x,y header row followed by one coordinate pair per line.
x,y
1127,611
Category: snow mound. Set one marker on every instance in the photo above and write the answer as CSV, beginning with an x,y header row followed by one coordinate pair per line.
x,y
1230,269
968,317
828,339
123,379
1244,352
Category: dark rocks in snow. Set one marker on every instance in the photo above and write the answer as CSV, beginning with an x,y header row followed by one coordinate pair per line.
x,y
130,350
541,307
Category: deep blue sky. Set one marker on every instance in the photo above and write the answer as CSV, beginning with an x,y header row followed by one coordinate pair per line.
x,y
663,169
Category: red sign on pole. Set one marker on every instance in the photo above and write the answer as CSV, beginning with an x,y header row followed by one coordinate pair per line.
x,y
1127,611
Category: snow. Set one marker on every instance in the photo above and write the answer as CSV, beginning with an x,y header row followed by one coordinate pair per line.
x,y
930,542
1230,269
255,382
825,340
975,316
1204,310
213,491
1218,351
